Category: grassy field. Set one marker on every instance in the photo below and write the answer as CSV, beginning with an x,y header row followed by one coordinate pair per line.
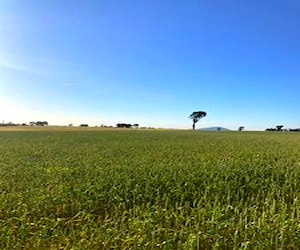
x,y
132,189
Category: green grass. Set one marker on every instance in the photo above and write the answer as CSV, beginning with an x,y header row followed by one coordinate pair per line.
x,y
131,189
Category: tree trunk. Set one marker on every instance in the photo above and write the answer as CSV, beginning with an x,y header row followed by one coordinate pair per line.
x,y
193,126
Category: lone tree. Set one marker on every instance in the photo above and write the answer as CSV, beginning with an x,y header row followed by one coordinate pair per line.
x,y
241,128
196,116
279,127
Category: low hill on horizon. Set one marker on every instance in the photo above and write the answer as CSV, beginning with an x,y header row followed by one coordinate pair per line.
x,y
215,129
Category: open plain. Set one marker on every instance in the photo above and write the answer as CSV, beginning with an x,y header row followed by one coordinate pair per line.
x,y
85,188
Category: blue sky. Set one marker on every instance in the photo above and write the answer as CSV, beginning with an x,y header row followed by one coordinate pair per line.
x,y
151,62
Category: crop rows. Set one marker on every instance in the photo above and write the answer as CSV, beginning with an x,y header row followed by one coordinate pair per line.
x,y
137,189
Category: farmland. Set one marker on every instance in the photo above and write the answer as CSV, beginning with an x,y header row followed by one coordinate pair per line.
x,y
139,189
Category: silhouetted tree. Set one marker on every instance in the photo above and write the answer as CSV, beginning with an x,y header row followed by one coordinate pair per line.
x,y
196,116
241,128
279,127
124,125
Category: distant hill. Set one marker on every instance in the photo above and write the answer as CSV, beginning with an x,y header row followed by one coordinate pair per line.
x,y
215,129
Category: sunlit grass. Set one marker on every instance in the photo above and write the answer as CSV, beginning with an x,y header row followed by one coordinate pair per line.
x,y
131,189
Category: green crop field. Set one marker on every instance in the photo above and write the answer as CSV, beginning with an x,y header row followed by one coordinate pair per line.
x,y
139,189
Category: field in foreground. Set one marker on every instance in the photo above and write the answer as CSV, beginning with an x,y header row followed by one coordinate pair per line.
x,y
136,189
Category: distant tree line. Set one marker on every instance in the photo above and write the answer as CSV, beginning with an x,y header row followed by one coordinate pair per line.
x,y
8,124
127,125
39,123
294,130
119,125
280,128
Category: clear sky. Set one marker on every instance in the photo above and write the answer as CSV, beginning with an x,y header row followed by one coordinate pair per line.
x,y
151,62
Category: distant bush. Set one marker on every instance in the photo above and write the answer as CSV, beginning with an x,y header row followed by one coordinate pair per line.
x,y
295,130
124,125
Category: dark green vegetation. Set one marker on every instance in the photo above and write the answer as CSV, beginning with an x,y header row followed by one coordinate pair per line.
x,y
137,189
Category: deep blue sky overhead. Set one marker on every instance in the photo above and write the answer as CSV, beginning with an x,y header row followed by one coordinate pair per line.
x,y
151,62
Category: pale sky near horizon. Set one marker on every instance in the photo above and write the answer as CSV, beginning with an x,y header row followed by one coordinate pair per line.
x,y
151,62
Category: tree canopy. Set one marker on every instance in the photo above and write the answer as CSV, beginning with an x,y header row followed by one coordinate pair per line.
x,y
196,116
